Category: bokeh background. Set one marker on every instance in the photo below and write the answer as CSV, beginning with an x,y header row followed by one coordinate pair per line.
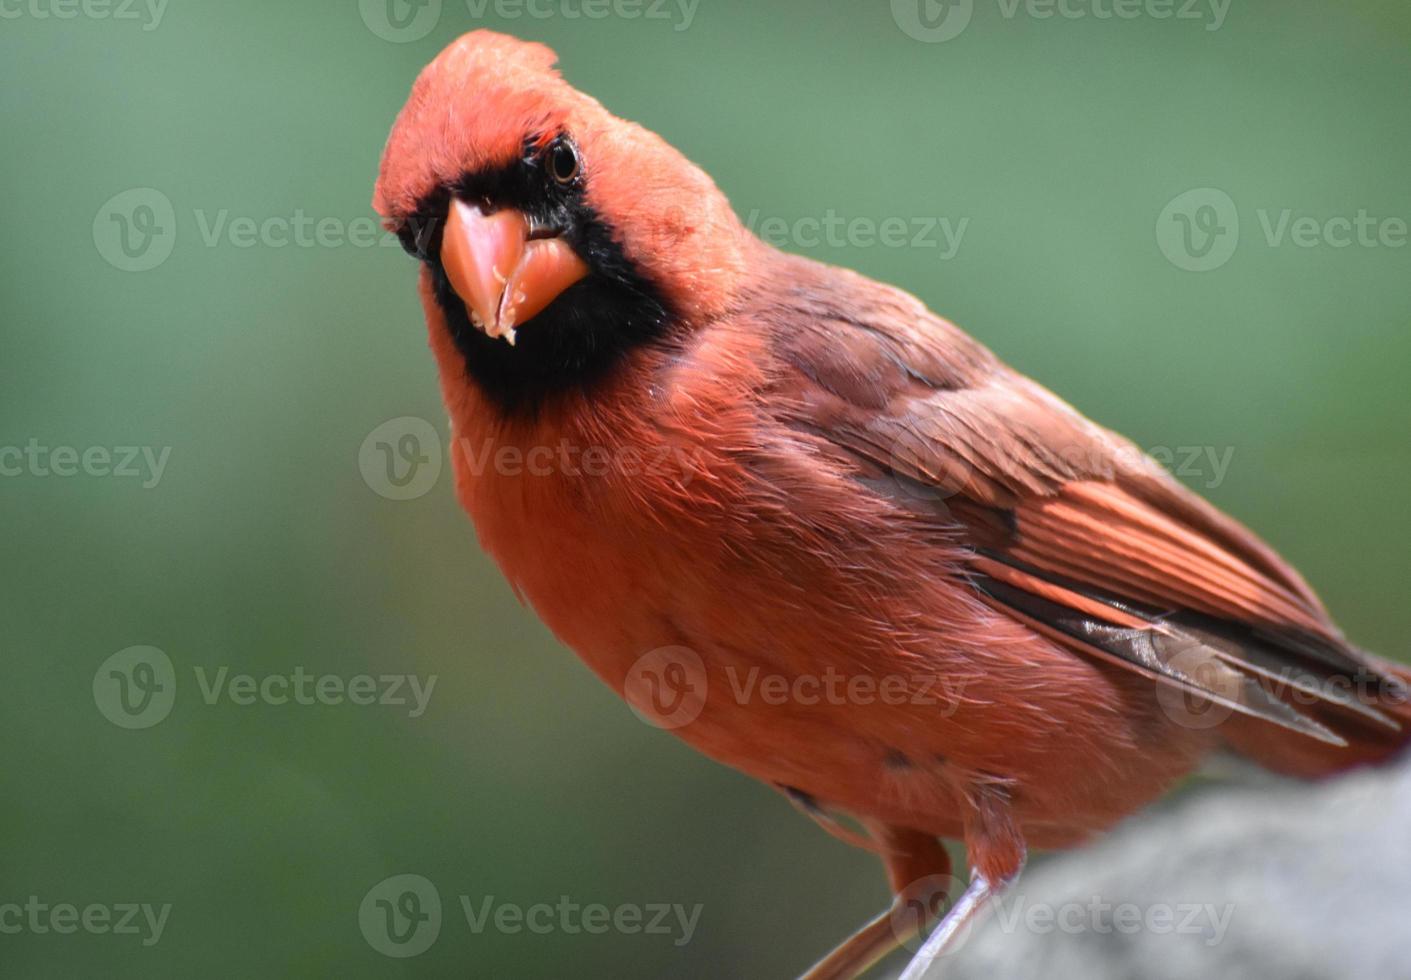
x,y
261,371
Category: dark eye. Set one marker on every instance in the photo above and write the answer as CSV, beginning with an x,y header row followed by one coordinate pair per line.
x,y
563,161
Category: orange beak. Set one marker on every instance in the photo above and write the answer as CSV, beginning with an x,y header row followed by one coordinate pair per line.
x,y
503,274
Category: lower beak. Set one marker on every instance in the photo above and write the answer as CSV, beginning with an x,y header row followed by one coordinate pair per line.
x,y
503,276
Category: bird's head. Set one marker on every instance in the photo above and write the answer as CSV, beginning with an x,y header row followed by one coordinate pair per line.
x,y
555,238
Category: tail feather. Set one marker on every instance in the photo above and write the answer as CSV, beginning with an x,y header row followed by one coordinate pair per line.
x,y
1298,703
1368,743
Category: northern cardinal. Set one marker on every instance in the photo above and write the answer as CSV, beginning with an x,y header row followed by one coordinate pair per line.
x,y
865,494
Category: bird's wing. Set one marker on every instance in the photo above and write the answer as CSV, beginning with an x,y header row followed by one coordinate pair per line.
x,y
1068,527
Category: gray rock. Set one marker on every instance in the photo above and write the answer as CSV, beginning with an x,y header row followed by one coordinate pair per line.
x,y
1294,882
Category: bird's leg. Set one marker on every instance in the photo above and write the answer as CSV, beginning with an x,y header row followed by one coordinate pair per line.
x,y
957,919
860,951
918,867
949,932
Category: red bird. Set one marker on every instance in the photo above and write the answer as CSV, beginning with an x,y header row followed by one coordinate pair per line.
x,y
990,618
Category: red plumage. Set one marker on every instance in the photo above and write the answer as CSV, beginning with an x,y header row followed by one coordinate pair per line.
x,y
830,478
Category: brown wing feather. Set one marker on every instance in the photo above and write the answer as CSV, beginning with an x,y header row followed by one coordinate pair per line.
x,y
1075,531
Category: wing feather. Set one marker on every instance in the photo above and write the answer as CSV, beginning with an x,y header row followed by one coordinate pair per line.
x,y
1074,531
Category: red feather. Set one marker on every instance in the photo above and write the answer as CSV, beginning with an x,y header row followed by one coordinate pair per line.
x,y
847,483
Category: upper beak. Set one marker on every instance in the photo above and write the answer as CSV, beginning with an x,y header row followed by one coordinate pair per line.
x,y
502,274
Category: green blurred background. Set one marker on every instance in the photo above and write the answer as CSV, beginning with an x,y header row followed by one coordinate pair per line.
x,y
263,369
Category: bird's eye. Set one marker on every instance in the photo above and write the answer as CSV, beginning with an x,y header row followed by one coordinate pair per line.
x,y
563,161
